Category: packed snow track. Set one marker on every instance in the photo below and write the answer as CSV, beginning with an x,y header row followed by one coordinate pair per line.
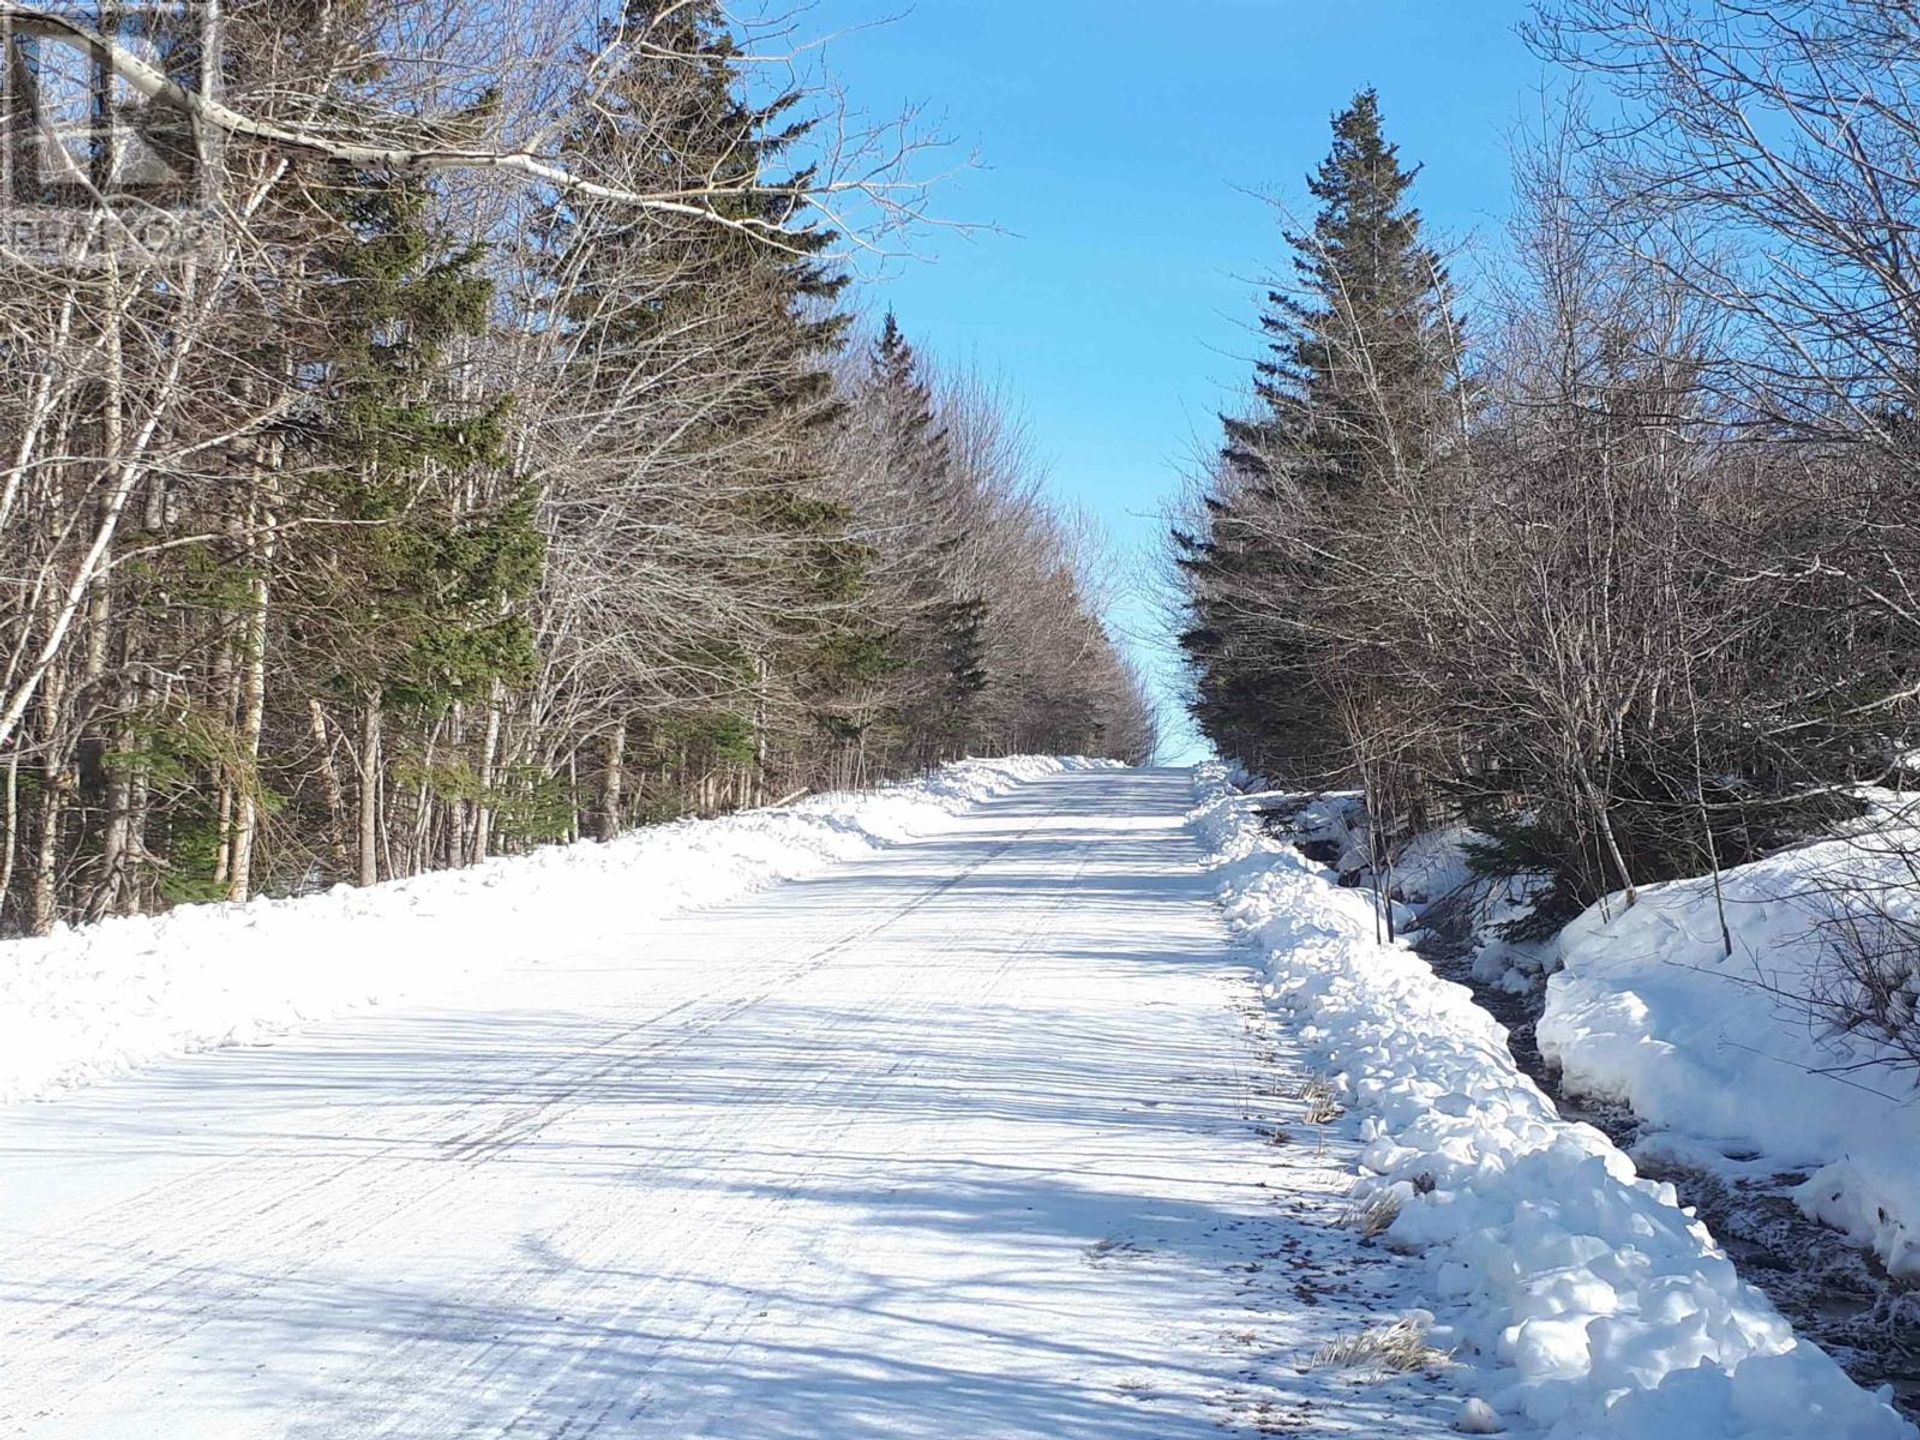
x,y
970,1138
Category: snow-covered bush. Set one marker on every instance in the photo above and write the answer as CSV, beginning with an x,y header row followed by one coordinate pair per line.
x,y
1866,977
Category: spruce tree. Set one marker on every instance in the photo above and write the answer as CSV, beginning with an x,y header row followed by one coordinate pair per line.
x,y
705,341
416,600
939,632
679,116
1360,347
429,598
1360,355
915,444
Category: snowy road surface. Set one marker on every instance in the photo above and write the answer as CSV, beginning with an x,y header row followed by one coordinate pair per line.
x,y
971,1139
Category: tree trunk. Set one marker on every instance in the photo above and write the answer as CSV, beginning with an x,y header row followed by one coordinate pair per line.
x,y
253,709
226,695
370,789
610,794
13,831
454,850
330,786
489,755
45,904
56,780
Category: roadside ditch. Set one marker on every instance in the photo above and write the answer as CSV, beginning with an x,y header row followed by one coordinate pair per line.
x,y
1834,1293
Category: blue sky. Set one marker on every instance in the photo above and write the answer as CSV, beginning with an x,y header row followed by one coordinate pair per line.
x,y
1119,142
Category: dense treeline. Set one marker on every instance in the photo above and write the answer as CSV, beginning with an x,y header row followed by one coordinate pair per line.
x,y
1617,562
499,466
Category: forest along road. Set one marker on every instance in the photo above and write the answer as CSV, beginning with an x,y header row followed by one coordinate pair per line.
x,y
974,1138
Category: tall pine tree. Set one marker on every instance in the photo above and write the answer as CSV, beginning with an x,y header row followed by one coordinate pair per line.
x,y
1360,358
417,602
940,621
699,347
1361,347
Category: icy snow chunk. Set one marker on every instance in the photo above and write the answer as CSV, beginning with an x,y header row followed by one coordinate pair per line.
x,y
1477,1417
1872,1206
1549,1349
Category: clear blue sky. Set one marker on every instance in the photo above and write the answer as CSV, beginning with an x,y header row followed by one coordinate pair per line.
x,y
1118,142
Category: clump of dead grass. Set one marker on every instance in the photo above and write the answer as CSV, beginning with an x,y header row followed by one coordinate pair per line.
x,y
1396,1349
1321,1106
1374,1215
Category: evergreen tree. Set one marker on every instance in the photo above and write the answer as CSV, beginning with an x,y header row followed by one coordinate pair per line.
x,y
701,344
938,628
416,602
1361,346
915,444
679,116
437,571
1361,351
1241,699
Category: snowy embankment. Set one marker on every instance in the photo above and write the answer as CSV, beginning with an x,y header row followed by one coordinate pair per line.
x,y
1725,1055
83,1003
1586,1301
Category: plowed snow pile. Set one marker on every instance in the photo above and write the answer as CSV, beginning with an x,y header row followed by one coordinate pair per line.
x,y
83,1003
1586,1302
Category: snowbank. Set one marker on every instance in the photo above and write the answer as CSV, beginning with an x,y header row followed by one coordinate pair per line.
x,y
1433,869
1587,1303
80,1004
1649,1009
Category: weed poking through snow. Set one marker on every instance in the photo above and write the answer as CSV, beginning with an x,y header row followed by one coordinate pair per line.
x,y
1322,1108
1373,1216
1396,1349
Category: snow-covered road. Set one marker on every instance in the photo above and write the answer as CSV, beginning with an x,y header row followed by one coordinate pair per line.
x,y
974,1138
